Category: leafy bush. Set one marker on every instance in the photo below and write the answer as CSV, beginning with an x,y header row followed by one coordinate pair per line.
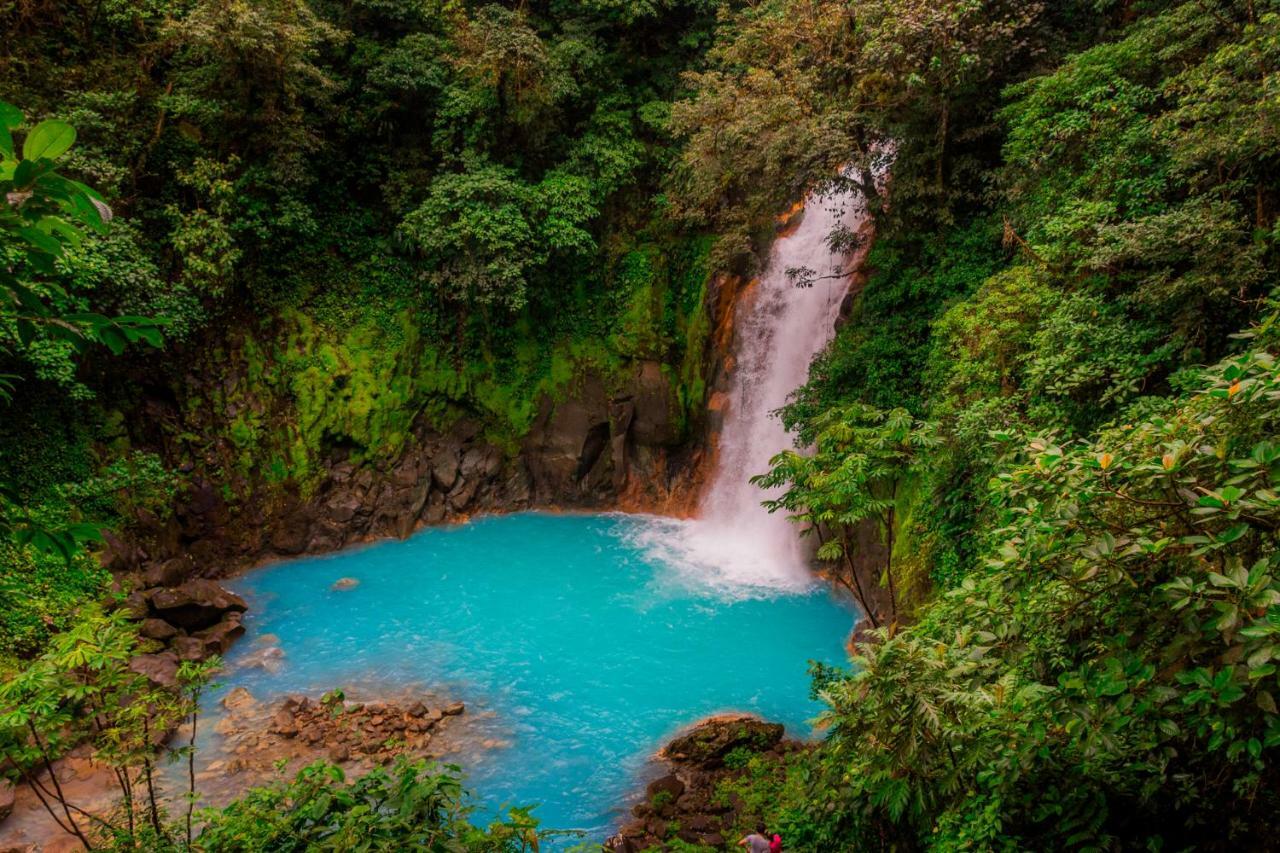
x,y
411,805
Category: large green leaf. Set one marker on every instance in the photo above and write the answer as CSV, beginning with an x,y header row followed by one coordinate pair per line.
x,y
10,116
48,140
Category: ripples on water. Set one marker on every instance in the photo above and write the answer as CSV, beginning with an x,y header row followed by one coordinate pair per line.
x,y
579,642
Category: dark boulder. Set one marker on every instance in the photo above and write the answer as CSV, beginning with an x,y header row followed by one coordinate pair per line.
x,y
462,494
160,669
157,629
168,572
189,648
195,604
136,605
707,744
444,468
341,508
435,511
218,639
669,785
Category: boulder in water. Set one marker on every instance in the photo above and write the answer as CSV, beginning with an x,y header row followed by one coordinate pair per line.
x,y
218,639
270,658
345,583
239,700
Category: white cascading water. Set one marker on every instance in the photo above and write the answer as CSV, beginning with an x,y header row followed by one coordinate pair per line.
x,y
778,331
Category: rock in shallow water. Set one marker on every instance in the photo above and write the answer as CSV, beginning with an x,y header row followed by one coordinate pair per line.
x,y
239,700
344,583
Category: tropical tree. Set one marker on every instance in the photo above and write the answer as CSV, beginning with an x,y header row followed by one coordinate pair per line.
x,y
860,458
42,215
81,690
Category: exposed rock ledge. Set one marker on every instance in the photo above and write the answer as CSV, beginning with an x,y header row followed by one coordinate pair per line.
x,y
686,803
301,729
598,446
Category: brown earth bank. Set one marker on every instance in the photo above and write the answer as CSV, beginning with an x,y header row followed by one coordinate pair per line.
x,y
693,804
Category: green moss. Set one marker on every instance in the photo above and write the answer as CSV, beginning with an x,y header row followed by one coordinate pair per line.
x,y
39,594
913,543
357,374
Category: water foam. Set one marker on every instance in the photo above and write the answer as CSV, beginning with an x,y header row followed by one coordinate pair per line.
x,y
695,555
778,331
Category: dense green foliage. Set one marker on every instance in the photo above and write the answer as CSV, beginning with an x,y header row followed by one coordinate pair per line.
x,y
339,220
343,219
81,692
1057,400
1056,396
408,806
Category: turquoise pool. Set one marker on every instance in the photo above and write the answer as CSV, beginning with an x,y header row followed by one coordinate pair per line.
x,y
579,640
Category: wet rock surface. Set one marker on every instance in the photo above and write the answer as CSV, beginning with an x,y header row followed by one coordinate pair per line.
x,y
708,744
600,442
688,803
254,736
192,621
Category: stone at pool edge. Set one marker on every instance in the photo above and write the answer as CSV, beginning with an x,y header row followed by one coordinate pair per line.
x,y
349,731
707,744
685,796
194,620
194,605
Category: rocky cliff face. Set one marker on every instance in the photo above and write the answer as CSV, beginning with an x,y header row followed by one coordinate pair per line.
x,y
296,440
590,448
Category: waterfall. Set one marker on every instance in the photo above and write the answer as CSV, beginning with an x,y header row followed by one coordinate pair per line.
x,y
779,328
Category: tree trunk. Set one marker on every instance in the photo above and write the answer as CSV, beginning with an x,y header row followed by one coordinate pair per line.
x,y
888,566
853,574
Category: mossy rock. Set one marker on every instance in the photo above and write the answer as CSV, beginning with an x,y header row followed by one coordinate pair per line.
x,y
710,742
